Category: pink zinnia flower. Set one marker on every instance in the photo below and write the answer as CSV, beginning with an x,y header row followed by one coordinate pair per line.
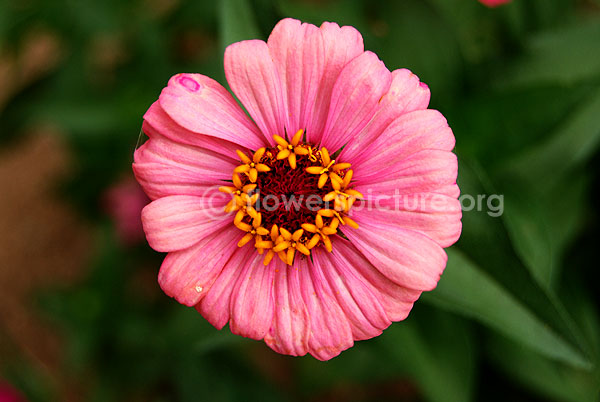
x,y
368,166
9,394
494,3
123,202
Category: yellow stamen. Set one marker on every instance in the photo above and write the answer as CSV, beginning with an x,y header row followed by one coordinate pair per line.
x,y
247,237
313,242
242,169
253,175
322,180
243,226
262,231
314,169
281,246
280,141
325,156
243,157
258,155
309,227
268,257
290,255
284,153
227,189
297,137
297,234
351,222
301,151
263,244
262,168
302,248
285,234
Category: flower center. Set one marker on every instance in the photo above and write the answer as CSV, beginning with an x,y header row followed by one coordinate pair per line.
x,y
290,198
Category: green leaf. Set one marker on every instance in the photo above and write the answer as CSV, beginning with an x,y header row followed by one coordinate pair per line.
x,y
539,213
237,22
561,56
429,48
473,27
542,224
571,145
466,289
503,124
437,352
543,376
343,12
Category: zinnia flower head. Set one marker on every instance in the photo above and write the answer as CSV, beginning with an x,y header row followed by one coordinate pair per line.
x,y
319,219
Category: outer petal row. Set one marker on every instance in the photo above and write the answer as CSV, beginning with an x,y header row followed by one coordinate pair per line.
x,y
317,79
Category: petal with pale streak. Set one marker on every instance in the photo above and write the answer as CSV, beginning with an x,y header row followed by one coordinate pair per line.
x,y
435,215
164,167
298,53
406,94
179,221
428,171
396,300
340,45
355,99
158,122
330,331
251,306
289,332
215,306
410,133
254,78
406,257
187,275
357,299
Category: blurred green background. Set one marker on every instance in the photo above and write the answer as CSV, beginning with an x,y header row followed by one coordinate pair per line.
x,y
515,315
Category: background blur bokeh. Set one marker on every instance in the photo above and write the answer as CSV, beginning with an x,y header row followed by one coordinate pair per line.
x,y
515,316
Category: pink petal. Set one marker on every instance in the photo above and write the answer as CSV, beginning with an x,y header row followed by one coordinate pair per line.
x,y
437,216
252,299
187,275
397,301
298,53
406,94
423,172
357,299
406,257
355,99
180,221
164,167
253,77
201,105
215,306
158,122
289,332
405,136
330,331
341,45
